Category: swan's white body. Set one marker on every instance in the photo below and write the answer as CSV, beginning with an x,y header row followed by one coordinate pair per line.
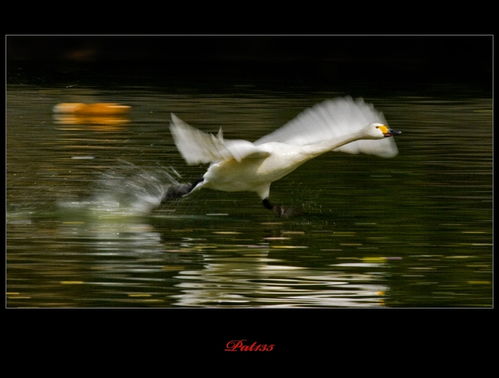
x,y
257,173
342,124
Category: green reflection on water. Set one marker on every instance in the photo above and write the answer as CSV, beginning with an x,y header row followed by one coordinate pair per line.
x,y
415,230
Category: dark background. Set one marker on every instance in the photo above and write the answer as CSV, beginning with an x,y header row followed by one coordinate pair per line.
x,y
398,62
322,61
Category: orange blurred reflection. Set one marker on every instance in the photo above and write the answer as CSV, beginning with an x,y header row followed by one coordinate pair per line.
x,y
96,116
98,108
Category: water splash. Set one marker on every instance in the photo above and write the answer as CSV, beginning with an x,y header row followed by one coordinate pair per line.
x,y
128,190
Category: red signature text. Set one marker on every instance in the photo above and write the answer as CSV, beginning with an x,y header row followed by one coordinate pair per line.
x,y
244,346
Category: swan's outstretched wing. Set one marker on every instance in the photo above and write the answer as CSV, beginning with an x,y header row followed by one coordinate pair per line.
x,y
332,119
198,147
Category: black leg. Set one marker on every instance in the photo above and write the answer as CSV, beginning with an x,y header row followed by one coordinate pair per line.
x,y
180,190
193,185
278,210
266,203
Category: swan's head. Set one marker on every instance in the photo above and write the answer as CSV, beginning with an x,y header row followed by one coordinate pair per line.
x,y
378,131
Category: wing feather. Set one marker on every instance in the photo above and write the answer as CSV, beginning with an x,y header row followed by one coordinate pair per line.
x,y
333,119
197,147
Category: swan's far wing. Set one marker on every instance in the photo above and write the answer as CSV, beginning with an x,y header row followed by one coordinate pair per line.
x,y
332,119
198,147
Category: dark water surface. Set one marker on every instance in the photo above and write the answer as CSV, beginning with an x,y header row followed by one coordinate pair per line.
x,y
415,230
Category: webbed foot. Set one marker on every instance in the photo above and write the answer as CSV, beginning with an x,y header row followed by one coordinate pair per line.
x,y
280,211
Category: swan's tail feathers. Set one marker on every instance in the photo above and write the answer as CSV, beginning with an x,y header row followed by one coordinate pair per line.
x,y
198,147
334,119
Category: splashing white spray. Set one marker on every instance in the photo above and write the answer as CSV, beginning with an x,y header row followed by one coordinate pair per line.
x,y
128,190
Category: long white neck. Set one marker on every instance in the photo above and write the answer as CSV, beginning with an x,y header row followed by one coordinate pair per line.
x,y
320,148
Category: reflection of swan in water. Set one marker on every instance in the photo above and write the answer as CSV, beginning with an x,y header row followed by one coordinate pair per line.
x,y
253,279
123,263
127,261
117,238
236,165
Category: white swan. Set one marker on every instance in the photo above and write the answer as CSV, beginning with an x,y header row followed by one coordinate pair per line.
x,y
341,124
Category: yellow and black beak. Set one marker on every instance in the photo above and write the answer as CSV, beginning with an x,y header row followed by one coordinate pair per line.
x,y
387,132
